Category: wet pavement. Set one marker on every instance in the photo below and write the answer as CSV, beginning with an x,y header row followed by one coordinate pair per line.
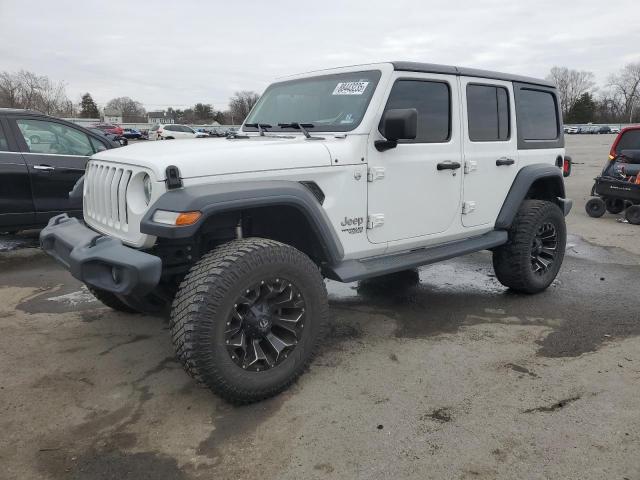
x,y
436,373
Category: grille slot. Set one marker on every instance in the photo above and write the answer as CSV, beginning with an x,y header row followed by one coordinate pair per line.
x,y
106,195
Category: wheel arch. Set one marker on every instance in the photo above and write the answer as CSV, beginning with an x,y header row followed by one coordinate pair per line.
x,y
539,182
282,210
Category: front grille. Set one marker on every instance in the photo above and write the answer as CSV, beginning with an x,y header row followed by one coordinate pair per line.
x,y
105,200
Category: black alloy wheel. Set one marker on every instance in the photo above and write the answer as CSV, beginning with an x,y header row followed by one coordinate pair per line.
x,y
265,324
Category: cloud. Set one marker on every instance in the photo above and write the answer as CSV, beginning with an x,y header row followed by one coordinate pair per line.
x,y
178,53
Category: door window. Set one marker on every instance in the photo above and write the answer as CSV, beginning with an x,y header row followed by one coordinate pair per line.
x,y
4,145
432,100
47,137
488,113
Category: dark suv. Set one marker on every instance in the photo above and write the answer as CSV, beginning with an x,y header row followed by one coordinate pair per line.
x,y
41,158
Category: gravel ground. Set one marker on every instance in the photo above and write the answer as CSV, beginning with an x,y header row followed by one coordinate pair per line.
x,y
436,374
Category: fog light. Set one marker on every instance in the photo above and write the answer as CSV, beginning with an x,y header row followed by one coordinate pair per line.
x,y
116,275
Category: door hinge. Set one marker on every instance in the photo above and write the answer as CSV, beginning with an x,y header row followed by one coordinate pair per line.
x,y
375,173
375,220
470,166
468,207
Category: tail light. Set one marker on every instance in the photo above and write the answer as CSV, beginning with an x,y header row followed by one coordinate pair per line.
x,y
566,166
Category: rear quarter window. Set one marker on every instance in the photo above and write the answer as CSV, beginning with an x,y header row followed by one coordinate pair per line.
x,y
538,119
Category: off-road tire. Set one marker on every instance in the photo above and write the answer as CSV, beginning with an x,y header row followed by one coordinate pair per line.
x,y
632,214
110,300
614,205
595,207
512,262
205,301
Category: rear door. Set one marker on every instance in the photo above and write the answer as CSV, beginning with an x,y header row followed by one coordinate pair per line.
x,y
56,155
16,202
490,148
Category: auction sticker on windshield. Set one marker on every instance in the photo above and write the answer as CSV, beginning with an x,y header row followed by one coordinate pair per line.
x,y
350,88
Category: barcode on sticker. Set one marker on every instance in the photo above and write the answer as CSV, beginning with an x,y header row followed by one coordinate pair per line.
x,y
350,88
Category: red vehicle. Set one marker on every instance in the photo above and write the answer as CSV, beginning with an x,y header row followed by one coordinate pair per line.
x,y
617,189
627,139
109,128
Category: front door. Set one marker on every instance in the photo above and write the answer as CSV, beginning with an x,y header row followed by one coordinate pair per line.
x,y
490,148
414,188
56,155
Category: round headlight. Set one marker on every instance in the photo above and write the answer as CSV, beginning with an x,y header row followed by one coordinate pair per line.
x,y
146,182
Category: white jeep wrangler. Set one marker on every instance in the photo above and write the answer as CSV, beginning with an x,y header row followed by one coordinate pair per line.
x,y
346,174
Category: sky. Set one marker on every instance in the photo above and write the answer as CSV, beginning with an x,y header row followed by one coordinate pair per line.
x,y
180,52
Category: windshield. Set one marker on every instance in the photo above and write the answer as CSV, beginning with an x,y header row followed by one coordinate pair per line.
x,y
329,103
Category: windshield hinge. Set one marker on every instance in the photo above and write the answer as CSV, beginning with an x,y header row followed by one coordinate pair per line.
x,y
375,173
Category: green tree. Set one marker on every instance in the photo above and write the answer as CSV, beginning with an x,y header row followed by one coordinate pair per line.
x,y
583,110
202,113
88,108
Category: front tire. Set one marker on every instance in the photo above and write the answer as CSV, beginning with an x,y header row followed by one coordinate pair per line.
x,y
248,317
531,259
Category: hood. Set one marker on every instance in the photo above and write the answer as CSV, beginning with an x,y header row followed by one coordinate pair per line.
x,y
204,157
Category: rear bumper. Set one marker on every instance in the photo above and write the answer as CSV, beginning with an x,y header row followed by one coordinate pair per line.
x,y
100,261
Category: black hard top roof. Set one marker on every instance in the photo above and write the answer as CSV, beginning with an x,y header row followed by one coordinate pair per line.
x,y
20,111
467,72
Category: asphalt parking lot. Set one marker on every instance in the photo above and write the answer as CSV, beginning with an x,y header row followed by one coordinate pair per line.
x,y
436,374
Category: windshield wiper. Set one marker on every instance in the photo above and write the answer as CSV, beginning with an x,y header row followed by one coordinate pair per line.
x,y
262,127
302,127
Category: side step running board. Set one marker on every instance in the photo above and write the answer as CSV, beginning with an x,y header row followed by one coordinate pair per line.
x,y
352,270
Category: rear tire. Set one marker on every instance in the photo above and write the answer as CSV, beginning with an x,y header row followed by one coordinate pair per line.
x,y
595,207
531,259
633,214
614,205
110,300
248,317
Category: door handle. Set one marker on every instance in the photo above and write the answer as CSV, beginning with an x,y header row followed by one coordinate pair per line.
x,y
504,161
46,168
448,165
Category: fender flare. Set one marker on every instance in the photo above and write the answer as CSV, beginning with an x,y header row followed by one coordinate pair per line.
x,y
525,178
212,199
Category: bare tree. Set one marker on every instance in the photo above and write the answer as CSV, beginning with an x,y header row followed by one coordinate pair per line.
x,y
126,107
26,89
571,85
240,104
626,84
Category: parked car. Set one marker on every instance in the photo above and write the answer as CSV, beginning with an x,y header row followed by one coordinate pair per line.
x,y
131,133
120,139
381,168
109,128
615,129
175,131
217,132
572,130
41,158
603,129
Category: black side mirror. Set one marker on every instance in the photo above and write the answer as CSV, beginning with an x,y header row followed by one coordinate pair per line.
x,y
397,124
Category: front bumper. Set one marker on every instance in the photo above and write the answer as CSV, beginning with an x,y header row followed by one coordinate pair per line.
x,y
100,261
